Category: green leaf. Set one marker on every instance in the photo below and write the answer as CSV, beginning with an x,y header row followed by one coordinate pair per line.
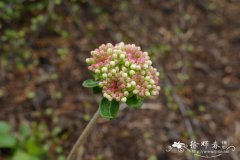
x,y
33,148
7,140
61,157
134,102
108,109
56,131
90,83
97,90
25,130
114,108
4,127
21,155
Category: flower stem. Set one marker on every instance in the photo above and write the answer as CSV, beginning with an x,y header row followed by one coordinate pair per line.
x,y
82,138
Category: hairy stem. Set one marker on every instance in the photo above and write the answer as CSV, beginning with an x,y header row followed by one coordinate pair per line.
x,y
82,138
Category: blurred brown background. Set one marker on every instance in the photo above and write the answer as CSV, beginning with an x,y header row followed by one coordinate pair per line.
x,y
195,45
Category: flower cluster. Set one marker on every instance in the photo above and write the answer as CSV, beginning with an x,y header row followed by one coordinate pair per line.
x,y
124,70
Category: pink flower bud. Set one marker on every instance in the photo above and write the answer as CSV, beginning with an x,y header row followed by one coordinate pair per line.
x,y
124,69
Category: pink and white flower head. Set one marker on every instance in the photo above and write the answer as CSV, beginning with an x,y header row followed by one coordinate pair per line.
x,y
123,70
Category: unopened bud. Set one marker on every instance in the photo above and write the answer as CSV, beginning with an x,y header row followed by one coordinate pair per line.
x,y
138,67
124,68
88,60
114,71
122,56
124,99
135,91
110,51
133,66
131,72
147,93
147,78
112,63
149,86
127,63
97,71
152,81
104,69
124,75
145,66
149,62
104,75
126,93
133,83
143,73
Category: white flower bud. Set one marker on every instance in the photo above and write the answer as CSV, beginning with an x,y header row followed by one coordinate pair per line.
x,y
121,45
147,93
138,67
127,63
152,81
112,63
125,93
149,86
97,71
145,66
129,85
158,88
147,78
131,72
109,50
104,69
105,95
119,52
124,75
110,75
109,98
135,91
113,71
123,99
88,60
133,66
149,62
158,74
93,53
145,53
104,75
117,69
143,73
122,56
124,68
133,83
